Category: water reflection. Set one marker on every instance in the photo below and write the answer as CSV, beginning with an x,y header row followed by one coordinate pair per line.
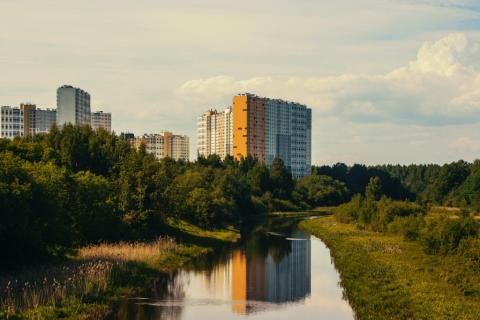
x,y
281,274
266,271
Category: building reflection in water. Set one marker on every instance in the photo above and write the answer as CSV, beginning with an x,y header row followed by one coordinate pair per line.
x,y
281,274
266,272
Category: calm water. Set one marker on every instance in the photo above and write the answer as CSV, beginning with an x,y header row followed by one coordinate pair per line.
x,y
275,272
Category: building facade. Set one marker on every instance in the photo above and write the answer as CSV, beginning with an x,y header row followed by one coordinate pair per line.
x,y
29,116
44,119
36,120
267,128
100,119
11,122
73,106
165,144
214,133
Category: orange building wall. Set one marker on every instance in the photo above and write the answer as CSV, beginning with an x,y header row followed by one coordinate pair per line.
x,y
240,127
239,282
256,126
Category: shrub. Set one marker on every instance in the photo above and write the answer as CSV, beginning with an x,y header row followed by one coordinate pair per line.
x,y
349,212
443,236
388,210
469,248
409,227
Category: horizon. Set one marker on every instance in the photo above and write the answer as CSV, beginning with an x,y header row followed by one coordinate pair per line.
x,y
381,91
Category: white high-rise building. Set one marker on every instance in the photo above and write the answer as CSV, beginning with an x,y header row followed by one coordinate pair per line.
x,y
11,122
73,106
165,144
101,119
214,133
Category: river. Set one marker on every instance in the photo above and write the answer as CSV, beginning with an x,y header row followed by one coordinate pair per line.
x,y
275,271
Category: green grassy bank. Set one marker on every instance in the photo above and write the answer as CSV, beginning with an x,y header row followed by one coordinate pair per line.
x,y
387,277
131,277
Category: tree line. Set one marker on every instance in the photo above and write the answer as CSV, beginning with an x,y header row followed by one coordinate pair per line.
x,y
452,184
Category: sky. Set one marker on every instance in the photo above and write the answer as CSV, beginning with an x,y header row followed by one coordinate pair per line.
x,y
388,81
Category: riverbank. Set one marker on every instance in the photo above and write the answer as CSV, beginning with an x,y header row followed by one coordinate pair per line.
x,y
387,277
86,286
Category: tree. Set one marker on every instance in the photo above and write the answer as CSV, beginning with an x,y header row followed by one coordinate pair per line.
x,y
320,191
280,179
374,189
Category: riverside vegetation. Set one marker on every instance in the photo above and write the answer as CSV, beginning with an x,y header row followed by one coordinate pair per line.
x,y
404,260
86,219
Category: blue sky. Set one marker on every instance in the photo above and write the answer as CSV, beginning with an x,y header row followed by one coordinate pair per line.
x,y
389,81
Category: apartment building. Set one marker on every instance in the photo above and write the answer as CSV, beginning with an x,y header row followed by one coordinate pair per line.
x,y
214,133
73,106
44,119
165,144
37,120
267,128
11,122
100,119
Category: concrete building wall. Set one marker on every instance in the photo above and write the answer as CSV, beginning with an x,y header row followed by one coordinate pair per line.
x,y
29,116
165,144
73,106
44,119
11,122
214,133
100,119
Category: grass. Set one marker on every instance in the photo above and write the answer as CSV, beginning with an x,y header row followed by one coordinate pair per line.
x,y
386,277
85,286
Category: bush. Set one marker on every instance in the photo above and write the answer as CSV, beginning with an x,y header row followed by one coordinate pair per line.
x,y
410,227
443,235
388,210
349,212
469,248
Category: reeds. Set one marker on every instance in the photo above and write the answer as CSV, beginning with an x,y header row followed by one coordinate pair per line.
x,y
90,273
125,251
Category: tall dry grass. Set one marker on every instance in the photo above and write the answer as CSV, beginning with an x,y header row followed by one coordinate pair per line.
x,y
90,273
125,251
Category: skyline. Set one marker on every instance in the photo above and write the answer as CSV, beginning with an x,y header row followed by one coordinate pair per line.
x,y
159,66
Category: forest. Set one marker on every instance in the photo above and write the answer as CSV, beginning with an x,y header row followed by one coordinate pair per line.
x,y
453,184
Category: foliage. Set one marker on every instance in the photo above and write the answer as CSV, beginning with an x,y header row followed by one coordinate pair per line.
x,y
452,184
438,234
443,235
75,186
320,191
357,177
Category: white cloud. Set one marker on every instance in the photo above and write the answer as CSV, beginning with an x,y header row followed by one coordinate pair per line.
x,y
440,87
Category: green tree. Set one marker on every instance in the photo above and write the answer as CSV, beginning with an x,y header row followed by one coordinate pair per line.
x,y
373,190
281,180
320,191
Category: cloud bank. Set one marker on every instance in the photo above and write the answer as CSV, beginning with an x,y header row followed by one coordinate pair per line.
x,y
440,87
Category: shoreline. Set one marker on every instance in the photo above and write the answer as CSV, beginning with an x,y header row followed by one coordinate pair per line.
x,y
386,277
133,277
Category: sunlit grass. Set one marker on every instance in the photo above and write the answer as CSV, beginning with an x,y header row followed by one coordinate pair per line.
x,y
89,274
374,265
125,251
